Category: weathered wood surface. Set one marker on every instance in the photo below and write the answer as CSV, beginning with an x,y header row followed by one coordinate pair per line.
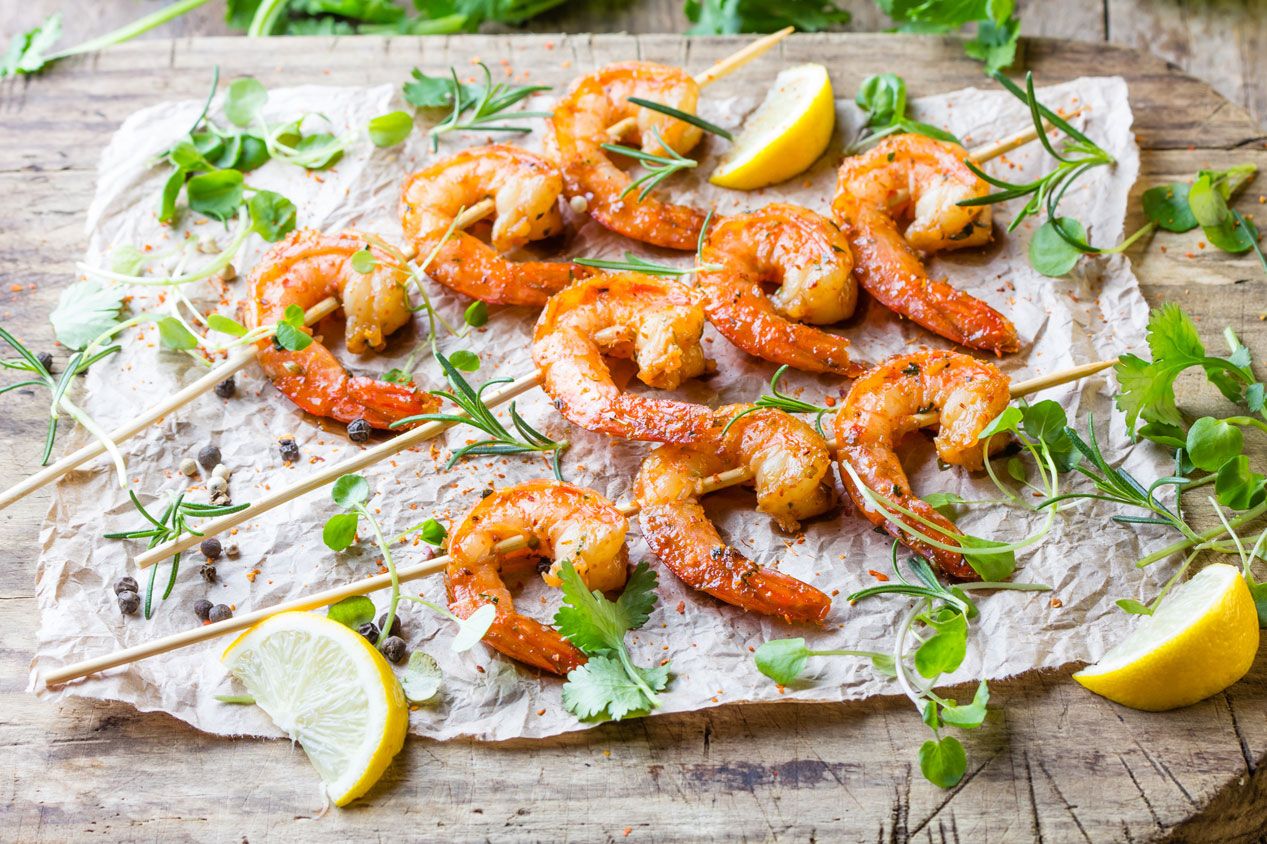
x,y
1223,42
1054,762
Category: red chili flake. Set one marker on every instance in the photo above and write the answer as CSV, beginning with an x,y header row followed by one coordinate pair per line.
x,y
830,401
681,607
878,575
1056,603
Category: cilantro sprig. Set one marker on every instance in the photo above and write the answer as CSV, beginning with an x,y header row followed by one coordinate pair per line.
x,y
609,685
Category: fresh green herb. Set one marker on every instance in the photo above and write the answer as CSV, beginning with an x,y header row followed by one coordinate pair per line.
x,y
29,51
476,314
932,641
637,264
79,363
685,117
997,26
730,17
363,261
782,401
478,415
290,332
480,108
170,526
1060,241
609,685
429,530
352,493
658,167
1147,387
377,17
389,129
883,98
84,311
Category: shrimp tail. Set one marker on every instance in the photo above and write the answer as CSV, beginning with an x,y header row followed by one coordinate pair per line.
x,y
723,572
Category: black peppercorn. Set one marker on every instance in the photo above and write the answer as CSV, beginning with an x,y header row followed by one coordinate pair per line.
x,y
394,649
289,449
219,612
369,630
382,624
210,548
125,584
209,457
226,388
277,345
208,573
129,602
46,361
358,430
202,608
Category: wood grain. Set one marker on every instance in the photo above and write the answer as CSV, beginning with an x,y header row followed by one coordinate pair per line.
x,y
1053,764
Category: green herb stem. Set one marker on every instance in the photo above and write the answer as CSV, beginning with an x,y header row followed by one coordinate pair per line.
x,y
131,30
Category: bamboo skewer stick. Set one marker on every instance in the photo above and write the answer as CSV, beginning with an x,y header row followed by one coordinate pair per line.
x,y
405,574
192,391
725,67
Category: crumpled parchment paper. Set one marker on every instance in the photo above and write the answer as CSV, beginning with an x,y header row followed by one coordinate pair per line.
x,y
1097,313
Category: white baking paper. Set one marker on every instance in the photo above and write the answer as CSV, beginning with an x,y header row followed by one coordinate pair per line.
x,y
1086,559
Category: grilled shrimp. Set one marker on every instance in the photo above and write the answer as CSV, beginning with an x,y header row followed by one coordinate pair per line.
x,y
578,129
790,463
920,180
878,412
302,270
654,321
808,257
566,522
525,189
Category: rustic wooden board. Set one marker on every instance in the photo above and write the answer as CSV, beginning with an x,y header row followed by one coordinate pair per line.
x,y
1054,763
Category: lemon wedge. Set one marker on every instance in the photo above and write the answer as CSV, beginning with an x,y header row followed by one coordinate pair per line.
x,y
786,134
1201,639
330,690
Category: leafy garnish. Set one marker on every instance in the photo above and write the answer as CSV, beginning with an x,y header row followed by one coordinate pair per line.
x,y
476,108
997,27
730,17
609,685
477,414
782,401
84,312
883,98
658,167
422,677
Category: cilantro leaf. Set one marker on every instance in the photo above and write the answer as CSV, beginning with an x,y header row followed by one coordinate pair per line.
x,y
84,312
601,688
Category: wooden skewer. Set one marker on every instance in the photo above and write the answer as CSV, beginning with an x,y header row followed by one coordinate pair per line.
x,y
1002,146
723,68
204,384
405,574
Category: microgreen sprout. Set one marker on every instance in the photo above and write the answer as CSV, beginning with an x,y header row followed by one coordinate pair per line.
x,y
170,526
658,167
352,494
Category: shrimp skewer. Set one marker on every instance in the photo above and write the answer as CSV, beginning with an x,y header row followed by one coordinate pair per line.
x,y
790,464
302,270
880,409
412,571
524,190
920,178
567,522
659,326
811,261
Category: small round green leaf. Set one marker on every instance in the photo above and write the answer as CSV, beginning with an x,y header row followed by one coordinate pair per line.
x,y
363,261
433,533
421,678
476,314
1167,206
1212,442
350,490
465,361
1051,254
340,531
246,97
943,763
272,215
172,334
782,660
217,194
389,129
352,612
225,325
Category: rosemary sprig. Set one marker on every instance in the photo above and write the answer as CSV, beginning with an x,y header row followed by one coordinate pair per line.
x,y
637,264
1077,155
478,415
782,401
173,524
659,167
78,364
685,117
482,113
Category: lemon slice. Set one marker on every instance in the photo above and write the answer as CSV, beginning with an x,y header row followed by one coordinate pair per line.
x,y
330,690
786,134
1201,640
